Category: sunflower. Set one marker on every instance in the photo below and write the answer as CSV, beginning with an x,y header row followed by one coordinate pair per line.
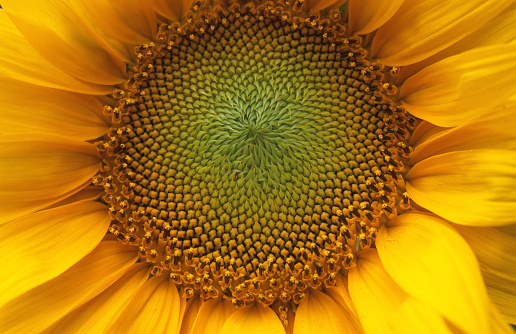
x,y
280,166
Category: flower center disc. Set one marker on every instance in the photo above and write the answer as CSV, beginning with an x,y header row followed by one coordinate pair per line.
x,y
252,153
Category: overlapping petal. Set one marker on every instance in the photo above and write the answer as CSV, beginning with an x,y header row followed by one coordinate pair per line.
x,y
212,316
432,263
366,16
172,10
39,308
472,187
253,319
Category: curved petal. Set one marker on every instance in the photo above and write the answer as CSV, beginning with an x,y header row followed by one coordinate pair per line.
x,y
191,312
27,108
212,316
474,187
432,263
318,313
421,28
453,90
496,253
40,307
54,29
37,170
172,10
19,60
253,319
155,308
502,29
315,5
366,16
414,316
47,243
494,130
96,316
88,194
375,295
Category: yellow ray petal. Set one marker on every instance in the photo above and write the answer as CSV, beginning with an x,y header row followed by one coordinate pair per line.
x,y
346,306
421,28
253,319
212,316
453,90
494,130
502,29
122,24
19,60
40,307
433,264
191,312
498,324
342,287
39,168
496,253
472,187
27,108
315,5
366,16
58,35
97,315
40,246
88,194
375,295
318,313
414,316
423,132
154,309
172,10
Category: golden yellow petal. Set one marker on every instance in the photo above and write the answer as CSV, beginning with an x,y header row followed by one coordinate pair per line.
x,y
37,170
97,315
366,16
40,246
212,316
155,308
26,108
473,187
433,263
57,33
253,319
315,5
502,29
37,309
454,90
19,60
172,10
496,253
87,194
421,28
424,131
318,313
494,130
191,312
413,316
375,295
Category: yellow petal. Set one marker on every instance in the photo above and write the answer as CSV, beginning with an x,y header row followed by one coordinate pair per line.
x,y
122,24
366,16
88,194
502,29
191,312
453,90
154,309
498,324
40,307
40,246
414,316
496,253
37,169
56,32
253,319
375,295
27,108
19,60
494,130
343,302
433,264
318,313
472,187
421,28
172,10
423,132
97,315
212,316
314,5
